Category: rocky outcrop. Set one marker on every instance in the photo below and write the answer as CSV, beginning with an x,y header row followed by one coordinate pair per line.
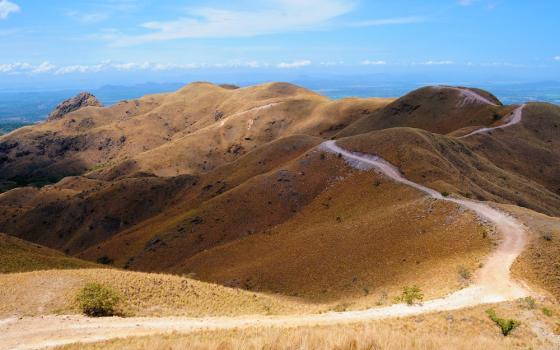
x,y
83,99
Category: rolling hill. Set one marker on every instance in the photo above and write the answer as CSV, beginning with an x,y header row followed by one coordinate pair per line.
x,y
232,186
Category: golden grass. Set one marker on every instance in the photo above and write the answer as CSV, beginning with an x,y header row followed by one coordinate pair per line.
x,y
468,329
539,264
47,292
355,245
21,256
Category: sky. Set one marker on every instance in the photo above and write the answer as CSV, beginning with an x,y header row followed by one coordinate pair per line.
x,y
48,44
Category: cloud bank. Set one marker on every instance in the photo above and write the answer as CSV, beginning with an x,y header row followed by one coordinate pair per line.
x,y
7,7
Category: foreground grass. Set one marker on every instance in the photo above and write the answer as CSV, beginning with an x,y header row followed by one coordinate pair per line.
x,y
461,330
143,294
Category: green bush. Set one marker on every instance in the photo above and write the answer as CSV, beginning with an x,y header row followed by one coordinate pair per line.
x,y
505,325
445,194
547,312
411,295
531,303
96,300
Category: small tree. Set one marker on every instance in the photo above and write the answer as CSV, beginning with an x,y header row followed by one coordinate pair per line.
x,y
411,295
505,325
96,300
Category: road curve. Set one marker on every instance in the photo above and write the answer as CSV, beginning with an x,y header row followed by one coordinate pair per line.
x,y
469,96
492,283
515,118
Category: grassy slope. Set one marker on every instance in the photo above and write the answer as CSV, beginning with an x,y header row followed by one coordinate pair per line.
x,y
459,330
158,133
20,256
361,241
539,263
460,166
90,211
257,220
437,110
47,292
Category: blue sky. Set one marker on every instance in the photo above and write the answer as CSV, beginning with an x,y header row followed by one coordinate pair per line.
x,y
68,43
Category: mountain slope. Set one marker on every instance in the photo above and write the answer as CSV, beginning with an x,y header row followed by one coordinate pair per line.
x,y
20,256
245,196
208,124
439,109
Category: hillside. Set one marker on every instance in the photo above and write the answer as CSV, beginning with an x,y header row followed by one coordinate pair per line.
x,y
238,191
17,255
215,124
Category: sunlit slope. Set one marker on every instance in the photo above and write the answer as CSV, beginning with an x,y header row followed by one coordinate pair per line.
x,y
19,256
193,130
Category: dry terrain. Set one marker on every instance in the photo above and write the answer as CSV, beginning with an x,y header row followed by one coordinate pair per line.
x,y
232,203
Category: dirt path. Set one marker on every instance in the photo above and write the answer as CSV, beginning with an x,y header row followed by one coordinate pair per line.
x,y
492,284
469,96
515,118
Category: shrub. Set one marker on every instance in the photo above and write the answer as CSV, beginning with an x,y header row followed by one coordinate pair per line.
x,y
96,300
464,273
445,194
105,260
411,295
505,325
547,237
531,303
547,312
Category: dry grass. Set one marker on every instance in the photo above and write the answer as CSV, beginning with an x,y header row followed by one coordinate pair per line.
x,y
355,245
21,256
47,292
460,330
539,262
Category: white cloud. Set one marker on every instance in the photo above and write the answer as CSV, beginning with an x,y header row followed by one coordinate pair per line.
x,y
8,7
557,58
466,2
26,68
438,63
44,67
295,64
207,22
105,66
373,63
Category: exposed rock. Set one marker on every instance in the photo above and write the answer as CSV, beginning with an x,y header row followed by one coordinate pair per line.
x,y
83,99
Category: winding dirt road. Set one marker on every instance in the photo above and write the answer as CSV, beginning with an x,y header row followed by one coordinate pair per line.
x,y
469,96
514,118
492,283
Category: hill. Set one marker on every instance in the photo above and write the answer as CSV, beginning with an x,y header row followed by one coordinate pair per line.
x,y
232,185
192,131
17,255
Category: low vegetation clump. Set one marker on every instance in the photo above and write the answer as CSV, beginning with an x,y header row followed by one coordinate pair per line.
x,y
506,325
465,274
547,312
411,295
547,237
530,302
445,194
96,300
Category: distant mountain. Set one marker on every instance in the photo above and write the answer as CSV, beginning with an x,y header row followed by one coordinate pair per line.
x,y
29,107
